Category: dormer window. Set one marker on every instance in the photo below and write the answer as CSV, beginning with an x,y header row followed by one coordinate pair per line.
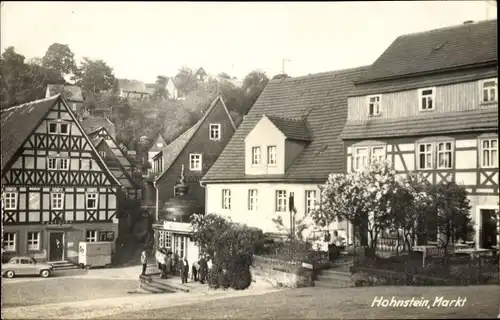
x,y
255,156
489,91
374,105
426,99
215,131
271,155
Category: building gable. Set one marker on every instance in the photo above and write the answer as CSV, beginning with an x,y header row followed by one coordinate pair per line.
x,y
58,138
117,152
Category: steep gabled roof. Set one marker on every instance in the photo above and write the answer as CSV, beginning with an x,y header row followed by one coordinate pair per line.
x,y
17,123
437,50
174,149
153,141
293,129
94,124
117,151
69,92
319,98
30,115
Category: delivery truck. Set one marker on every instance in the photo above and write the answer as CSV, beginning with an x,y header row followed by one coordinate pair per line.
x,y
94,254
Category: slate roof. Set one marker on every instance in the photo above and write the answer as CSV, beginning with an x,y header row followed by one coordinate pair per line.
x,y
70,93
431,123
440,49
13,133
294,129
320,98
174,149
92,124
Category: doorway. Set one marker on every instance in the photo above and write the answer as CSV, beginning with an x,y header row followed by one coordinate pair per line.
x,y
56,246
488,228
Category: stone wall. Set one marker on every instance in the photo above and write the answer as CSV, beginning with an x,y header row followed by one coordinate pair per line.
x,y
282,273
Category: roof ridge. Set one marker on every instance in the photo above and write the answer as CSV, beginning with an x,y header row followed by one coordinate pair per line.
x,y
30,103
456,26
318,74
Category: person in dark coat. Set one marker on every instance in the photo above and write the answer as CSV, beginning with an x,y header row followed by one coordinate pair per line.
x,y
184,270
203,269
194,271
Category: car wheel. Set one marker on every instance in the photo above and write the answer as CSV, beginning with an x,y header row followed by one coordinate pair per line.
x,y
45,273
10,274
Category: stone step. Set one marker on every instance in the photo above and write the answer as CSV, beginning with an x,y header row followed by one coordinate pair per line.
x,y
329,283
333,273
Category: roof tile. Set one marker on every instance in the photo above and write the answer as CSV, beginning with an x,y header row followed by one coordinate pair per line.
x,y
294,129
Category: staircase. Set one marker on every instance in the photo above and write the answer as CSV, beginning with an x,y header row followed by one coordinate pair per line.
x,y
336,276
62,265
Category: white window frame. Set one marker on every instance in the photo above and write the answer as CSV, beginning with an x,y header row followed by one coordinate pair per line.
x,y
256,155
311,201
281,201
226,199
165,239
9,200
426,153
444,152
56,127
91,196
49,160
432,97
492,153
9,243
65,161
488,90
91,235
215,131
252,199
60,128
33,242
377,105
54,199
197,157
270,157
102,154
360,166
379,158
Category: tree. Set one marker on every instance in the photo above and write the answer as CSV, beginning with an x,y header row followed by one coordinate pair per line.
x,y
35,61
363,198
224,75
60,58
254,83
95,76
161,79
281,76
185,80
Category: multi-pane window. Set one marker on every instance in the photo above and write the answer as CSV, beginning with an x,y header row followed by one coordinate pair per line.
x,y
64,128
255,155
215,131
102,154
281,200
374,105
252,199
310,200
195,162
91,235
9,241
58,128
33,241
378,154
271,155
91,200
226,199
53,128
10,201
164,239
489,90
57,201
360,158
426,99
444,153
489,153
424,156
57,163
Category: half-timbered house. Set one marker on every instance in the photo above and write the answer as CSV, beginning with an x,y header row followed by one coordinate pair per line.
x,y
285,148
56,188
429,103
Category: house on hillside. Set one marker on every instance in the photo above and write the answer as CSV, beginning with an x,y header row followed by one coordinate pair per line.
x,y
158,143
91,124
173,91
132,89
200,74
429,103
56,189
284,149
72,94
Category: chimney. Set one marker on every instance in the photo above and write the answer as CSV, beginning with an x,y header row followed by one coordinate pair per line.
x,y
469,22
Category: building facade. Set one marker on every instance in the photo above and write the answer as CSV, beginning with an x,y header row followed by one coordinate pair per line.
x,y
56,189
285,148
72,94
434,110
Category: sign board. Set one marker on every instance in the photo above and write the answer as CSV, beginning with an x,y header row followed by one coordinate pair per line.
x,y
71,244
177,226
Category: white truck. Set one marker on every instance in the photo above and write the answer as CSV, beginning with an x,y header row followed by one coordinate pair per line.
x,y
94,254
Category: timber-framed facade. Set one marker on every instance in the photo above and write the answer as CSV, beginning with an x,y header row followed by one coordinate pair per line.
x,y
56,189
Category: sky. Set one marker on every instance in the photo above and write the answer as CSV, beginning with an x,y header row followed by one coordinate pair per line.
x,y
141,40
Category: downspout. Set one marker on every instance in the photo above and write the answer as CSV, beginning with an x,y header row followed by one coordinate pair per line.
x,y
205,187
156,205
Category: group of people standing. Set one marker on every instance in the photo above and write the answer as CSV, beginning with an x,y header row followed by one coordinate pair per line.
x,y
173,264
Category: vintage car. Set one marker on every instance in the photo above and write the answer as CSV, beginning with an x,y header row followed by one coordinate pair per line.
x,y
25,266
